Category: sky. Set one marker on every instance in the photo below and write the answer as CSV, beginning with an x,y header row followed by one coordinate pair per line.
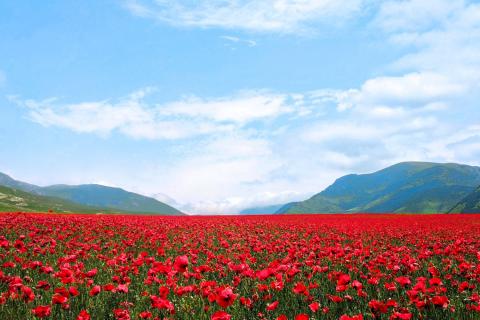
x,y
215,106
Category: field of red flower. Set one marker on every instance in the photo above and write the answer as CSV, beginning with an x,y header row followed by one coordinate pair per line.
x,y
252,267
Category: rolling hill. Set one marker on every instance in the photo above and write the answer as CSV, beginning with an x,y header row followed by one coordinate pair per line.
x,y
108,197
93,195
408,187
17,200
8,181
470,204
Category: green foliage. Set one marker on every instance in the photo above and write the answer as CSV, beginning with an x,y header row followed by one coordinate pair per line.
x,y
470,204
17,200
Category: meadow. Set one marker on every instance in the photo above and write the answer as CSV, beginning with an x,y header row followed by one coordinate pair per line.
x,y
239,267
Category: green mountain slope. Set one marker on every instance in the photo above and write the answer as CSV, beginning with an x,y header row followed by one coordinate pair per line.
x,y
469,204
92,195
108,197
8,181
17,200
408,187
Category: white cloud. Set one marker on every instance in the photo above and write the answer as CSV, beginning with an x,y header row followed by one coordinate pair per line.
x,y
243,108
166,199
410,15
136,118
284,16
237,40
418,86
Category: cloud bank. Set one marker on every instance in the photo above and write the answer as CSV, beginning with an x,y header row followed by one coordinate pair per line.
x,y
284,16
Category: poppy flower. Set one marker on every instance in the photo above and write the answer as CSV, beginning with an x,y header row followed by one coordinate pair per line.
x,y
121,314
356,317
220,315
441,301
145,315
59,299
94,291
272,306
181,263
299,288
314,306
403,281
401,316
73,291
83,315
42,311
122,288
225,297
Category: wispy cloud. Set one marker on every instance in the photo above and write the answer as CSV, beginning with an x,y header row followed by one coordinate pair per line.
x,y
237,40
134,117
285,16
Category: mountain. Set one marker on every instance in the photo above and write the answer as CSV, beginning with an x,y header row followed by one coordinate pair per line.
x,y
469,204
108,197
407,187
262,210
8,181
93,195
17,200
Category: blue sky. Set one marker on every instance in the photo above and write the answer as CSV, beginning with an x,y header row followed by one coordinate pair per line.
x,y
223,105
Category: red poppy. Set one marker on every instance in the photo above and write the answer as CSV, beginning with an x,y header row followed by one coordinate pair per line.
x,y
355,317
401,316
83,315
181,263
122,288
272,306
403,281
42,311
121,314
145,315
94,291
441,301
225,297
221,315
59,299
73,291
314,306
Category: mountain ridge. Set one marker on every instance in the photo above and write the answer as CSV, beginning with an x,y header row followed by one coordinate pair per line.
x,y
96,196
17,200
413,187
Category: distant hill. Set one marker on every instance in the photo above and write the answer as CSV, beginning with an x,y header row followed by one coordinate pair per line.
x,y
108,197
262,210
8,181
408,187
17,200
93,195
469,204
